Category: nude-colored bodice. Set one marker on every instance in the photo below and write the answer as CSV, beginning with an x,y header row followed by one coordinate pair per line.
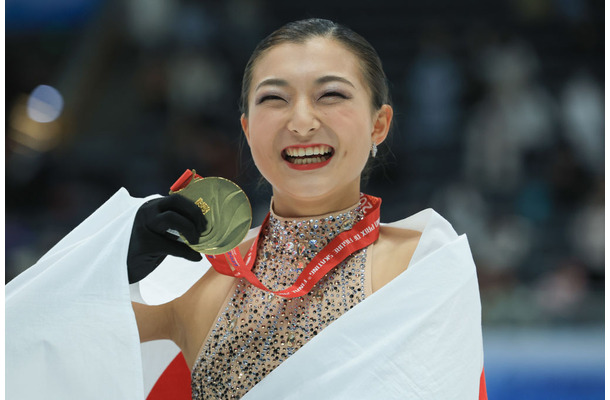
x,y
256,331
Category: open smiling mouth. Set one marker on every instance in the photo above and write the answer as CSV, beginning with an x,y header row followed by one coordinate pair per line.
x,y
308,156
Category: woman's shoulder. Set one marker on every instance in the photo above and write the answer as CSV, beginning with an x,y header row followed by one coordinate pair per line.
x,y
406,240
393,251
396,239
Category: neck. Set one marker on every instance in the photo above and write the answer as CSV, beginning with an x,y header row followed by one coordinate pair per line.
x,y
291,207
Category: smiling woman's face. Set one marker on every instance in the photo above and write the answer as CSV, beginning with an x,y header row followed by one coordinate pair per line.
x,y
310,123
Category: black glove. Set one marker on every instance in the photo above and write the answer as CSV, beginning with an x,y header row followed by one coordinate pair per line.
x,y
150,242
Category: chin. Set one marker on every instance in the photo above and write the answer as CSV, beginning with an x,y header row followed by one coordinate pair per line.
x,y
318,190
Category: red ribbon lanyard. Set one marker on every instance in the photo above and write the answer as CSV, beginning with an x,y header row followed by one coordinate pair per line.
x,y
362,234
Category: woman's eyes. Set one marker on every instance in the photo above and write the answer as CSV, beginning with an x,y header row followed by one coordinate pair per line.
x,y
269,97
333,95
328,96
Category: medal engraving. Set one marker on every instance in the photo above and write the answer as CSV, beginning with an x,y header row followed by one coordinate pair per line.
x,y
203,205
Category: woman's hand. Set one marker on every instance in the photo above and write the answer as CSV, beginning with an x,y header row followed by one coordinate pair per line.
x,y
150,240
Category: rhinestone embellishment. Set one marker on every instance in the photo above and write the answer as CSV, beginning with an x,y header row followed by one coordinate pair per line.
x,y
257,330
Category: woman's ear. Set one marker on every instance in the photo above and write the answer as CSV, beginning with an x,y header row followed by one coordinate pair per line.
x,y
382,123
244,126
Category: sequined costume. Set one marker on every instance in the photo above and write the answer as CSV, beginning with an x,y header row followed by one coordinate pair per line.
x,y
255,331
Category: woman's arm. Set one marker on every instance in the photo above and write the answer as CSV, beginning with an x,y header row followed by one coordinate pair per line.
x,y
187,319
154,322
149,245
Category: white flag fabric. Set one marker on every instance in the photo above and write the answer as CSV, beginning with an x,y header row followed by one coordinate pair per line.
x,y
71,331
418,337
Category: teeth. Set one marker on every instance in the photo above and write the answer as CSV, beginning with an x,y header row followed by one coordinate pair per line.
x,y
310,160
308,155
309,151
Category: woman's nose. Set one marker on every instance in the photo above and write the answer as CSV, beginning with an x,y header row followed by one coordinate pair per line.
x,y
303,119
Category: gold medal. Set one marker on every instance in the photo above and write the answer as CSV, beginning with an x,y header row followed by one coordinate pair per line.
x,y
227,211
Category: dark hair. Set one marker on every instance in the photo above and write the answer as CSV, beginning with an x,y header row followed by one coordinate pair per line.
x,y
301,31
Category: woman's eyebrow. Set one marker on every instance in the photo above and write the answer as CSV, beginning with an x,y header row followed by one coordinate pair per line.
x,y
272,82
320,81
333,78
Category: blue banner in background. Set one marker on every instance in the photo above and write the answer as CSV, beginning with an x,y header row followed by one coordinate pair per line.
x,y
561,364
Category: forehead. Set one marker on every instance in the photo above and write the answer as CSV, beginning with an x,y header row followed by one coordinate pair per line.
x,y
308,60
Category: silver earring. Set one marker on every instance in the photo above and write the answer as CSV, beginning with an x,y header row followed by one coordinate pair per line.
x,y
373,149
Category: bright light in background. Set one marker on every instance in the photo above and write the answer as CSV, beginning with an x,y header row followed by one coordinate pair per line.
x,y
45,104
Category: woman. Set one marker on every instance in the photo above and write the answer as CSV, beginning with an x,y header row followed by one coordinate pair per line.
x,y
315,107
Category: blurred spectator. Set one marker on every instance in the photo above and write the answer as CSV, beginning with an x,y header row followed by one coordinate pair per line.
x,y
196,25
570,180
534,197
509,240
516,116
587,230
466,208
582,115
150,22
197,83
434,89
245,26
20,253
561,292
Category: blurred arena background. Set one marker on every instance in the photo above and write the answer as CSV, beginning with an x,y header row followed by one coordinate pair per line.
x,y
499,126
